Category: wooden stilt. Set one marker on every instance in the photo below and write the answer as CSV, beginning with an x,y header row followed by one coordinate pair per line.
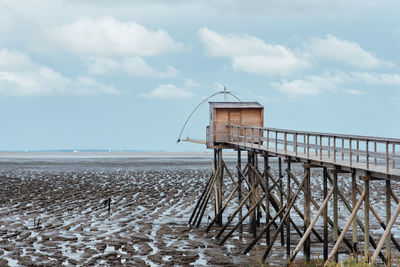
x,y
297,210
288,207
360,224
307,213
310,227
366,219
267,194
201,198
288,216
335,212
388,216
354,201
219,189
239,166
325,182
253,228
281,196
347,226
249,212
385,234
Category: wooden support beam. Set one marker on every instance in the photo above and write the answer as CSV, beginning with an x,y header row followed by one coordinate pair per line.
x,y
281,196
388,216
289,207
288,197
267,194
385,234
205,202
233,216
335,212
310,227
354,202
249,212
326,236
346,227
201,198
298,212
360,224
239,166
380,221
366,219
307,213
223,207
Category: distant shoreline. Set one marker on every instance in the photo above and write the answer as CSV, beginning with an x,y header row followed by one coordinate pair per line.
x,y
206,154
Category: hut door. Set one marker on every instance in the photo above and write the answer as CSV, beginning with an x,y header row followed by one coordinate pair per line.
x,y
235,119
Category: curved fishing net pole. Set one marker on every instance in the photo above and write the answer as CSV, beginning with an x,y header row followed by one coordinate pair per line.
x,y
217,93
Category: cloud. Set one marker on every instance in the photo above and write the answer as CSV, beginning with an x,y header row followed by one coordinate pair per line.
x,y
252,55
351,53
169,91
106,36
20,76
135,66
334,82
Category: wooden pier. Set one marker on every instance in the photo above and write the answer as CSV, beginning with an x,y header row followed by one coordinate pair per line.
x,y
239,126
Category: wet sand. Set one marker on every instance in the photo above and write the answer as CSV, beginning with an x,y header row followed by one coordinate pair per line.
x,y
52,213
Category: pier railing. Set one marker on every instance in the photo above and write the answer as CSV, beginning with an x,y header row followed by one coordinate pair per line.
x,y
366,152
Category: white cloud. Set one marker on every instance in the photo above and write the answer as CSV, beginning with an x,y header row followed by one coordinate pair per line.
x,y
351,53
135,66
106,36
191,83
377,79
20,76
335,82
252,55
169,91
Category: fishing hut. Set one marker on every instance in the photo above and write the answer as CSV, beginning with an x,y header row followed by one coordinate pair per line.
x,y
267,201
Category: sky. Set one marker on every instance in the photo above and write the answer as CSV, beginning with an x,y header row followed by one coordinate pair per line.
x,y
125,75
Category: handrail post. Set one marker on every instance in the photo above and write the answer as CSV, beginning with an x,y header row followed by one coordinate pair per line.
x,y
259,138
276,141
358,151
304,140
387,157
252,137
295,143
351,153
316,145
267,139
285,142
375,153
308,145
367,152
394,154
320,147
334,149
342,148
329,147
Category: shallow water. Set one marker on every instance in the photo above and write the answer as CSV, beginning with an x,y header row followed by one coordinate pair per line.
x,y
151,201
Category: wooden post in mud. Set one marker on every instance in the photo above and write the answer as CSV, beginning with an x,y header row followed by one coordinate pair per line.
x,y
307,207
267,194
366,218
388,216
325,182
253,198
335,210
354,202
281,198
239,165
218,188
288,216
